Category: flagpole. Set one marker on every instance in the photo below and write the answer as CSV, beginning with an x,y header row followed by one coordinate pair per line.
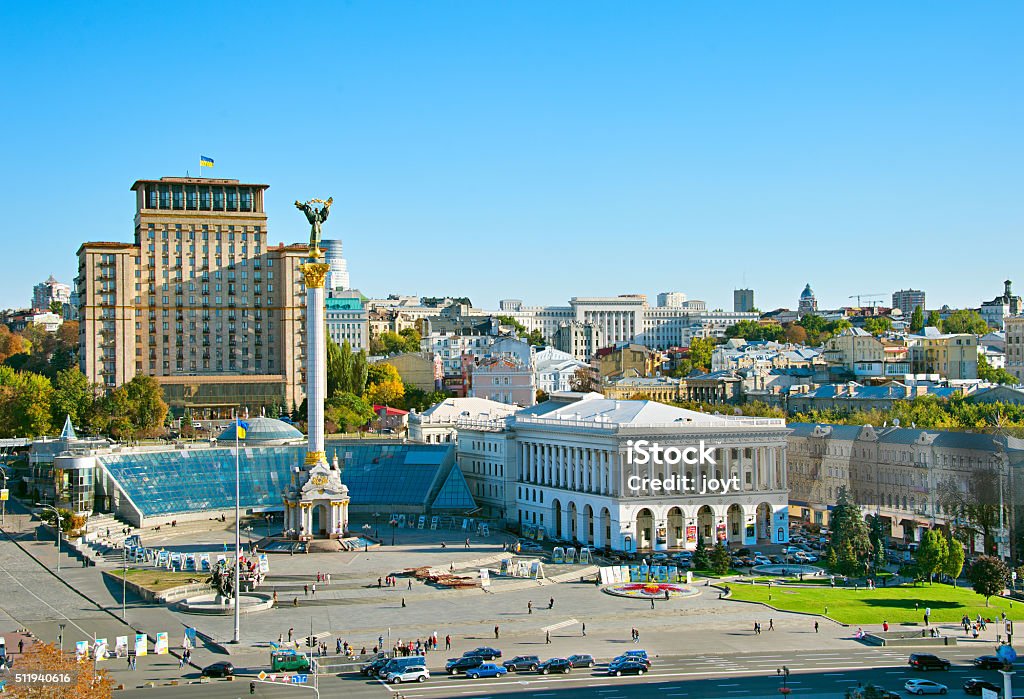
x,y
238,564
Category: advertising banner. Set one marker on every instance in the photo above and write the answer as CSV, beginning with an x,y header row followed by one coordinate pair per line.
x,y
99,649
161,647
720,529
691,534
121,646
141,644
81,650
264,563
485,578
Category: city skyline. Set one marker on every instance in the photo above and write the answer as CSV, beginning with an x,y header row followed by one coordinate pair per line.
x,y
565,133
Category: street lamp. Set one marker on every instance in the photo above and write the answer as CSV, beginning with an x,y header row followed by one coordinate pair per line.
x,y
248,534
375,532
783,672
3,497
394,525
56,513
60,636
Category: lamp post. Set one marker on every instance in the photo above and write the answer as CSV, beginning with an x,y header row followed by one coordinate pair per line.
x,y
375,532
56,513
783,672
394,525
3,497
60,636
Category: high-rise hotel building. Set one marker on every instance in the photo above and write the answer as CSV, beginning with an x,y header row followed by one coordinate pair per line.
x,y
199,301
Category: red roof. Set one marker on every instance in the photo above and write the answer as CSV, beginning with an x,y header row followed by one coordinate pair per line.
x,y
379,409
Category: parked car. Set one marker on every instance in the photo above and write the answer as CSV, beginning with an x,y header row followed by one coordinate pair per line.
x,y
638,656
974,686
486,670
219,669
883,693
581,660
659,557
416,673
484,652
987,662
627,666
466,662
551,665
776,559
371,668
927,661
924,687
521,663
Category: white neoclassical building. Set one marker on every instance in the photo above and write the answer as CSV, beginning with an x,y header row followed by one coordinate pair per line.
x,y
571,468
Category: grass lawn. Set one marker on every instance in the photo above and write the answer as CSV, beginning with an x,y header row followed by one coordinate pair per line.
x,y
709,574
160,580
892,604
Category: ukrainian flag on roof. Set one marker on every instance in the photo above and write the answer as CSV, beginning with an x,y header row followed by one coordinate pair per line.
x,y
240,428
205,161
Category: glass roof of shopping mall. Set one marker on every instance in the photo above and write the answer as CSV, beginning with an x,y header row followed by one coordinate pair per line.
x,y
384,476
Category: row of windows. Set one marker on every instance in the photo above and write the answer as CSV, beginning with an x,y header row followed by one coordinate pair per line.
x,y
203,230
198,197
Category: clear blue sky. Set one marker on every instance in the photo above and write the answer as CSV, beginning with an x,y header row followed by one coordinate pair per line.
x,y
540,150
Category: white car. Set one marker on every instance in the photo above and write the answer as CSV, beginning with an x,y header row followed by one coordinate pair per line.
x,y
416,673
924,687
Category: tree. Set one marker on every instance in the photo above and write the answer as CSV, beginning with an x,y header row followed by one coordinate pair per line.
x,y
878,326
720,560
335,376
25,403
986,372
412,339
46,658
347,411
345,366
977,507
700,352
380,372
147,408
965,321
988,576
583,381
876,528
10,343
753,330
360,372
917,320
812,323
796,334
56,307
934,320
701,561
848,529
953,565
73,396
931,554
533,337
386,392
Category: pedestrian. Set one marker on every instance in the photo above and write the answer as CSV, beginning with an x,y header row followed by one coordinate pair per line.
x,y
403,603
444,545
885,626
496,630
547,637
652,604
529,607
337,647
21,646
131,662
584,628
181,661
290,632
448,642
305,590
314,589
467,543
771,624
295,601
275,598
380,583
409,586
551,603
328,578
815,627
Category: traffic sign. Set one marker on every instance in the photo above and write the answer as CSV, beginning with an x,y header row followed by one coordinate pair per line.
x,y
262,675
300,679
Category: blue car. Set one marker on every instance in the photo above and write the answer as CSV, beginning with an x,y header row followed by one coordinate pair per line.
x,y
486,670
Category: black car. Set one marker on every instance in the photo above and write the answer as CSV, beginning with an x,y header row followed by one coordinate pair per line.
x,y
927,661
627,666
522,662
581,660
882,693
973,686
372,668
466,662
221,669
484,652
988,662
550,665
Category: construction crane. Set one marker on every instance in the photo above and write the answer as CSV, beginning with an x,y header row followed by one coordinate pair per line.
x,y
867,296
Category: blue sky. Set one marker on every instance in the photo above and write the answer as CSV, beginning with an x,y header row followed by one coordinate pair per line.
x,y
541,150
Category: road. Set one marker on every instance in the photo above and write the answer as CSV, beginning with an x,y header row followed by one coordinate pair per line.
x,y
814,675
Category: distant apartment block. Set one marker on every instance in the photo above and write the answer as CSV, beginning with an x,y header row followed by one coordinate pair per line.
x,y
907,300
743,300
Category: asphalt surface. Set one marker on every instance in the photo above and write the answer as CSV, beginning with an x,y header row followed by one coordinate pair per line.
x,y
814,675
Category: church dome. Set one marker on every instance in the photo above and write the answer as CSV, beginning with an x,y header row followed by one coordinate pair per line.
x,y
262,430
807,293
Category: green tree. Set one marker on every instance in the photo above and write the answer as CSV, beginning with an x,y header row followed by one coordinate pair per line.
x,y
700,352
847,527
931,554
917,320
701,561
73,396
335,375
753,330
812,323
380,372
533,337
345,367
347,411
360,372
965,321
877,534
988,576
934,320
147,408
720,560
953,565
986,372
56,307
878,326
25,403
412,338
